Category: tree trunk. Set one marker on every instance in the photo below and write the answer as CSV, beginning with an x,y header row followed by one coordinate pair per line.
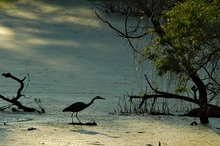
x,y
204,116
203,102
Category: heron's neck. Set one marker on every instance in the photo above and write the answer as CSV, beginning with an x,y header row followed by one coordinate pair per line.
x,y
91,102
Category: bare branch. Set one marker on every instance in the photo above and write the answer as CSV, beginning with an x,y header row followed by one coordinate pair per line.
x,y
160,94
119,32
165,95
8,75
14,101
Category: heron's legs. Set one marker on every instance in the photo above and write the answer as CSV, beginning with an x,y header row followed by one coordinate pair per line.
x,y
78,118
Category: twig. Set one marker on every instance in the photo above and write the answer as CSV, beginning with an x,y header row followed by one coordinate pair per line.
x,y
28,76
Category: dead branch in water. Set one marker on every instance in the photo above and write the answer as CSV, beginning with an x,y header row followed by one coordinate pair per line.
x,y
213,110
14,100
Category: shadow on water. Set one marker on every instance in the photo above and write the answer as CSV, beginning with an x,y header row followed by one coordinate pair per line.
x,y
81,131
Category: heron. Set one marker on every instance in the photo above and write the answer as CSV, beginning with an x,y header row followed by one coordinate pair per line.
x,y
79,106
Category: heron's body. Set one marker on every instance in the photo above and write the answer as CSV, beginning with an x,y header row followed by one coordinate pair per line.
x,y
75,107
79,106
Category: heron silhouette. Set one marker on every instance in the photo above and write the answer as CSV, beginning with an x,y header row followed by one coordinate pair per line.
x,y
79,106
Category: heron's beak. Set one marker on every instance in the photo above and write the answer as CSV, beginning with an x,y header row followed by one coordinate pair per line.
x,y
98,97
101,98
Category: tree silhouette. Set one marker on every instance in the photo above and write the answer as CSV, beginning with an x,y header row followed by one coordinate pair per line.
x,y
184,47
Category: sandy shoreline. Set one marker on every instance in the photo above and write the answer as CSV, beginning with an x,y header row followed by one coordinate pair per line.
x,y
111,130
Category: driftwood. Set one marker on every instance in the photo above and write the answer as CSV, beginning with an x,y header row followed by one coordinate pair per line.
x,y
14,100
